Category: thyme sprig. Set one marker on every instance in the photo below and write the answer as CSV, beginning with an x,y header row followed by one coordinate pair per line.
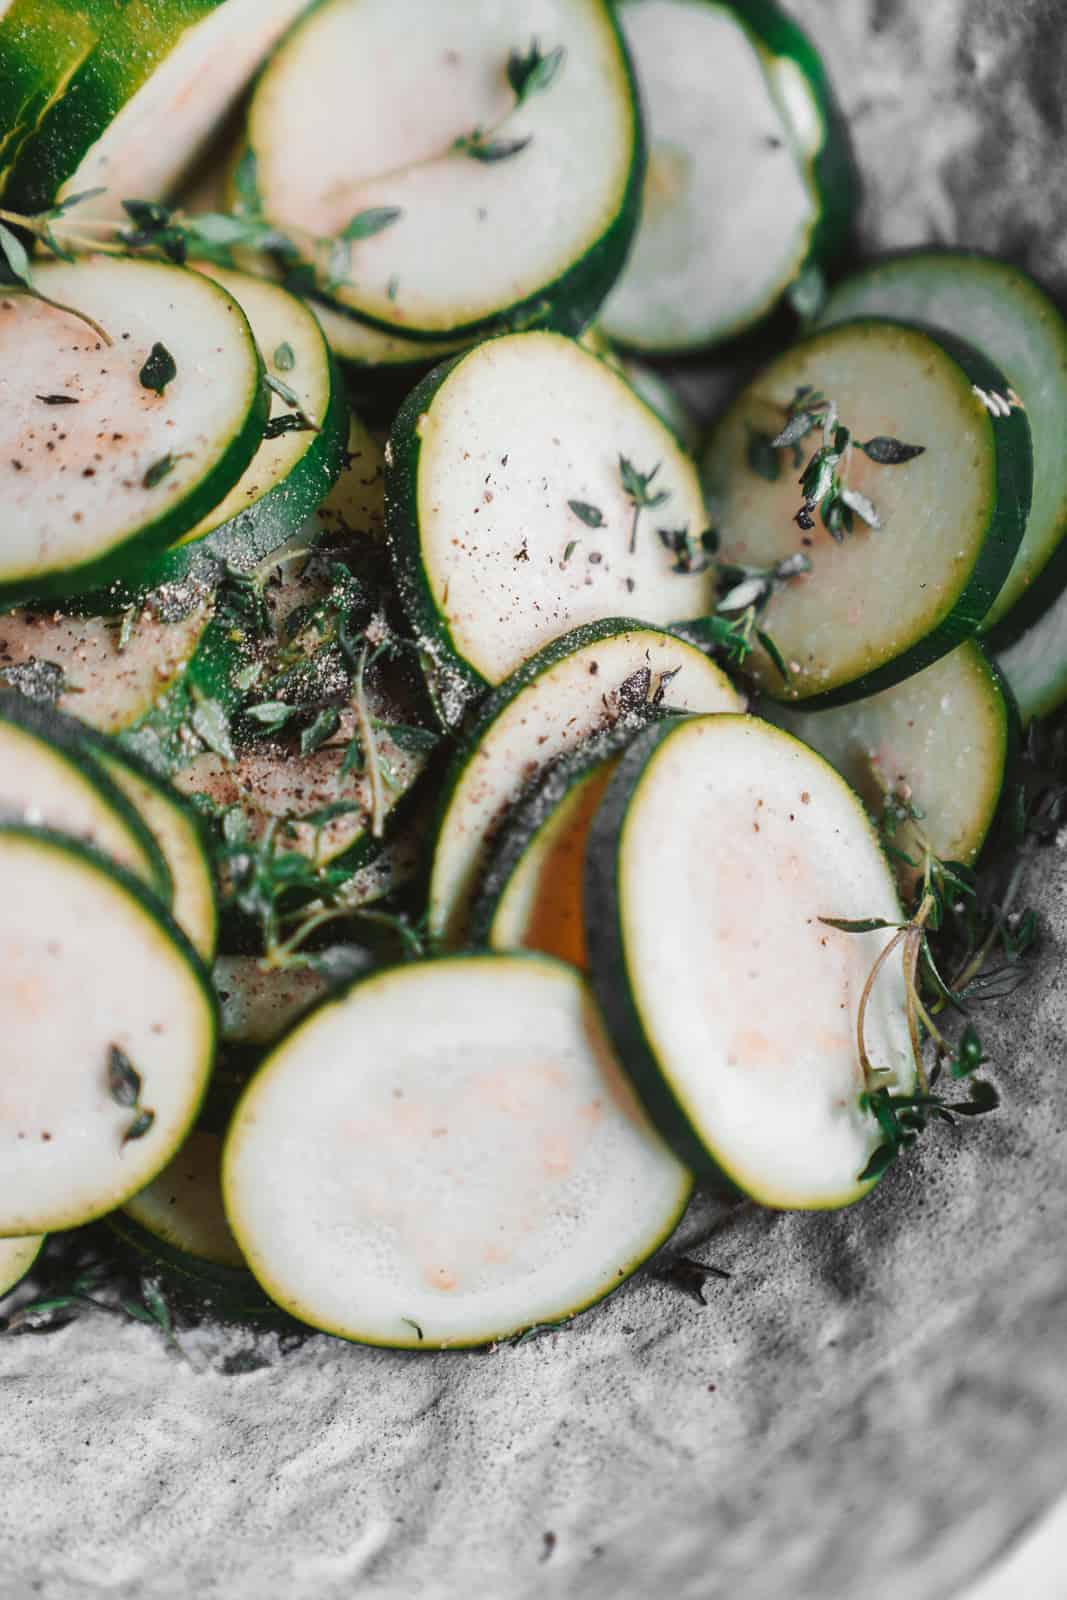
x,y
637,487
528,74
824,480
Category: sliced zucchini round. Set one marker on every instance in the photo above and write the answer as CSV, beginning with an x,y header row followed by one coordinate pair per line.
x,y
386,91
514,506
883,602
749,173
1003,311
1035,664
927,757
42,45
145,100
531,895
362,344
182,1206
719,846
112,673
597,677
16,1258
181,837
293,471
99,469
46,780
453,1182
109,1023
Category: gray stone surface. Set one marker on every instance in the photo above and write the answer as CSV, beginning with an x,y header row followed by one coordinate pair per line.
x,y
873,1405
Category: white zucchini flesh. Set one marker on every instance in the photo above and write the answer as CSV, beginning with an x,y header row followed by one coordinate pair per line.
x,y
446,1155
259,1005
833,625
546,714
279,322
170,119
87,964
106,686
520,428
178,835
46,786
540,905
1002,311
270,782
16,1258
728,842
1035,664
183,1207
938,741
74,475
729,206
381,90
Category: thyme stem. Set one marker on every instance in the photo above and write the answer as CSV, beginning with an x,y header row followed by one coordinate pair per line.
x,y
365,727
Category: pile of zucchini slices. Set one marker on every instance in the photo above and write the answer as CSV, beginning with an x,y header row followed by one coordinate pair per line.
x,y
443,797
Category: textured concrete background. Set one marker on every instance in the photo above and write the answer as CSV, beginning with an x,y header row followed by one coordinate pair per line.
x,y
873,1405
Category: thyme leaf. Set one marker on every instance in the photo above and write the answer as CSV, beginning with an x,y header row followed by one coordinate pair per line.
x,y
284,359
159,369
637,487
591,515
365,224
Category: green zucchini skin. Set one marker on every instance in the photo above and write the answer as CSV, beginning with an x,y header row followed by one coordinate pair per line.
x,y
1014,469
42,44
570,302
68,737
607,955
108,76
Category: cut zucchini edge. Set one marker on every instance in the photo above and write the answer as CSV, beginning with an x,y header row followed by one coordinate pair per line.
x,y
936,286
122,887
181,836
251,1114
62,739
566,304
604,899
960,618
1035,663
64,576
181,1208
17,1256
409,520
451,892
819,145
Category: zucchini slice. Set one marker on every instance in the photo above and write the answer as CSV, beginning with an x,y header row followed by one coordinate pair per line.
x,y
118,469
720,844
384,90
445,1156
1003,311
46,780
1035,664
181,837
882,603
531,895
145,101
108,1016
509,515
42,45
111,675
362,345
749,177
182,1206
292,472
927,757
595,678
16,1258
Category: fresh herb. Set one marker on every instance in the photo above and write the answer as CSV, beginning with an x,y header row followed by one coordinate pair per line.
x,y
568,550
284,359
57,399
365,224
298,422
15,270
824,480
527,75
637,487
761,455
690,554
159,369
124,1086
159,470
271,714
323,728
807,294
413,1324
208,720
591,515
